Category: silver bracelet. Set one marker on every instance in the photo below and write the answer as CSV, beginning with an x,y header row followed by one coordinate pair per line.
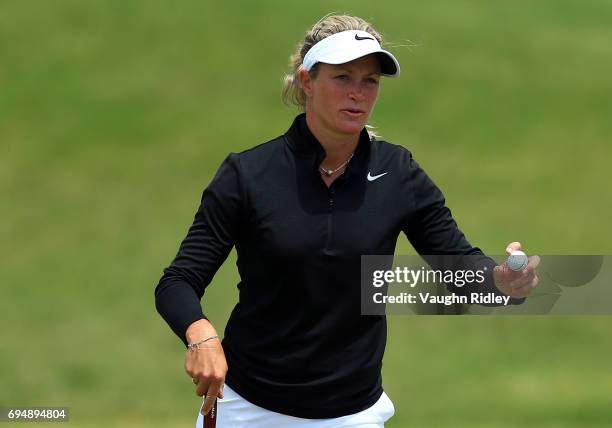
x,y
196,345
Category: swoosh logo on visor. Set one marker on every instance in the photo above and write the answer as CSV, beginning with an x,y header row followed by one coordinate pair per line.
x,y
362,38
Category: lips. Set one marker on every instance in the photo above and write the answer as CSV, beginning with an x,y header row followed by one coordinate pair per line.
x,y
353,112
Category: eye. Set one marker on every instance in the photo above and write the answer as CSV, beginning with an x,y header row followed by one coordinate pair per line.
x,y
342,77
372,80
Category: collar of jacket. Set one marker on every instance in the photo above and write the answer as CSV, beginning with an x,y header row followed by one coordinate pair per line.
x,y
303,142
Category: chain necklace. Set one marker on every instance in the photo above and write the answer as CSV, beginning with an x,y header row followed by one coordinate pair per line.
x,y
330,172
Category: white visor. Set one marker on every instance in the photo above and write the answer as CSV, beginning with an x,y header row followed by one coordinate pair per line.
x,y
348,45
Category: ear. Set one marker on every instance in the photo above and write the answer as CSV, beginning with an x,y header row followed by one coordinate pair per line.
x,y
305,82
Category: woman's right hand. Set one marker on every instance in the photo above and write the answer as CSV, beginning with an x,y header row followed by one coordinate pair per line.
x,y
206,366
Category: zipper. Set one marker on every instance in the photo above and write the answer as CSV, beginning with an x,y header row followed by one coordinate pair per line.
x,y
330,217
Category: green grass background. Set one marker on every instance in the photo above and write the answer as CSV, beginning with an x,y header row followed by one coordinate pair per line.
x,y
114,115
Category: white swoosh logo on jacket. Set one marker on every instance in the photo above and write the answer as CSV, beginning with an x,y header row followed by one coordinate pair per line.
x,y
375,177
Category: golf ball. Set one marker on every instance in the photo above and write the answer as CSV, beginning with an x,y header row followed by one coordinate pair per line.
x,y
517,261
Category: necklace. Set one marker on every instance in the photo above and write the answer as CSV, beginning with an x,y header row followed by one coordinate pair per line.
x,y
330,172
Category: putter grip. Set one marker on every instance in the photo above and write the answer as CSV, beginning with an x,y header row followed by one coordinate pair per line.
x,y
210,419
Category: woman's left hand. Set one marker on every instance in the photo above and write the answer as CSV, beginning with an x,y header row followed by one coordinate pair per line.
x,y
516,284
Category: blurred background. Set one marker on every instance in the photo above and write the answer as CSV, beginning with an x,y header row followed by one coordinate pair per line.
x,y
114,116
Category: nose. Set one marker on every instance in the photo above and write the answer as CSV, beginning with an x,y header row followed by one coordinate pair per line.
x,y
356,93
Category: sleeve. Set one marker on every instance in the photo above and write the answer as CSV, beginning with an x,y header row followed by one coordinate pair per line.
x,y
210,238
434,234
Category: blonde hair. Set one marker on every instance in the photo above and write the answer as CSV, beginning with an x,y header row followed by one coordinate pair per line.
x,y
328,25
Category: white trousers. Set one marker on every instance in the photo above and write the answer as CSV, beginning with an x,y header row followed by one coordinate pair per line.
x,y
233,411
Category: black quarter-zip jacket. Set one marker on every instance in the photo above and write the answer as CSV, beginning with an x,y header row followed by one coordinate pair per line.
x,y
295,342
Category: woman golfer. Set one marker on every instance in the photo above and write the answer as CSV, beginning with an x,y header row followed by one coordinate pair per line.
x,y
301,209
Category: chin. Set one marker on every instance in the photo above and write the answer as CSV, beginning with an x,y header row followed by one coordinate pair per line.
x,y
350,127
